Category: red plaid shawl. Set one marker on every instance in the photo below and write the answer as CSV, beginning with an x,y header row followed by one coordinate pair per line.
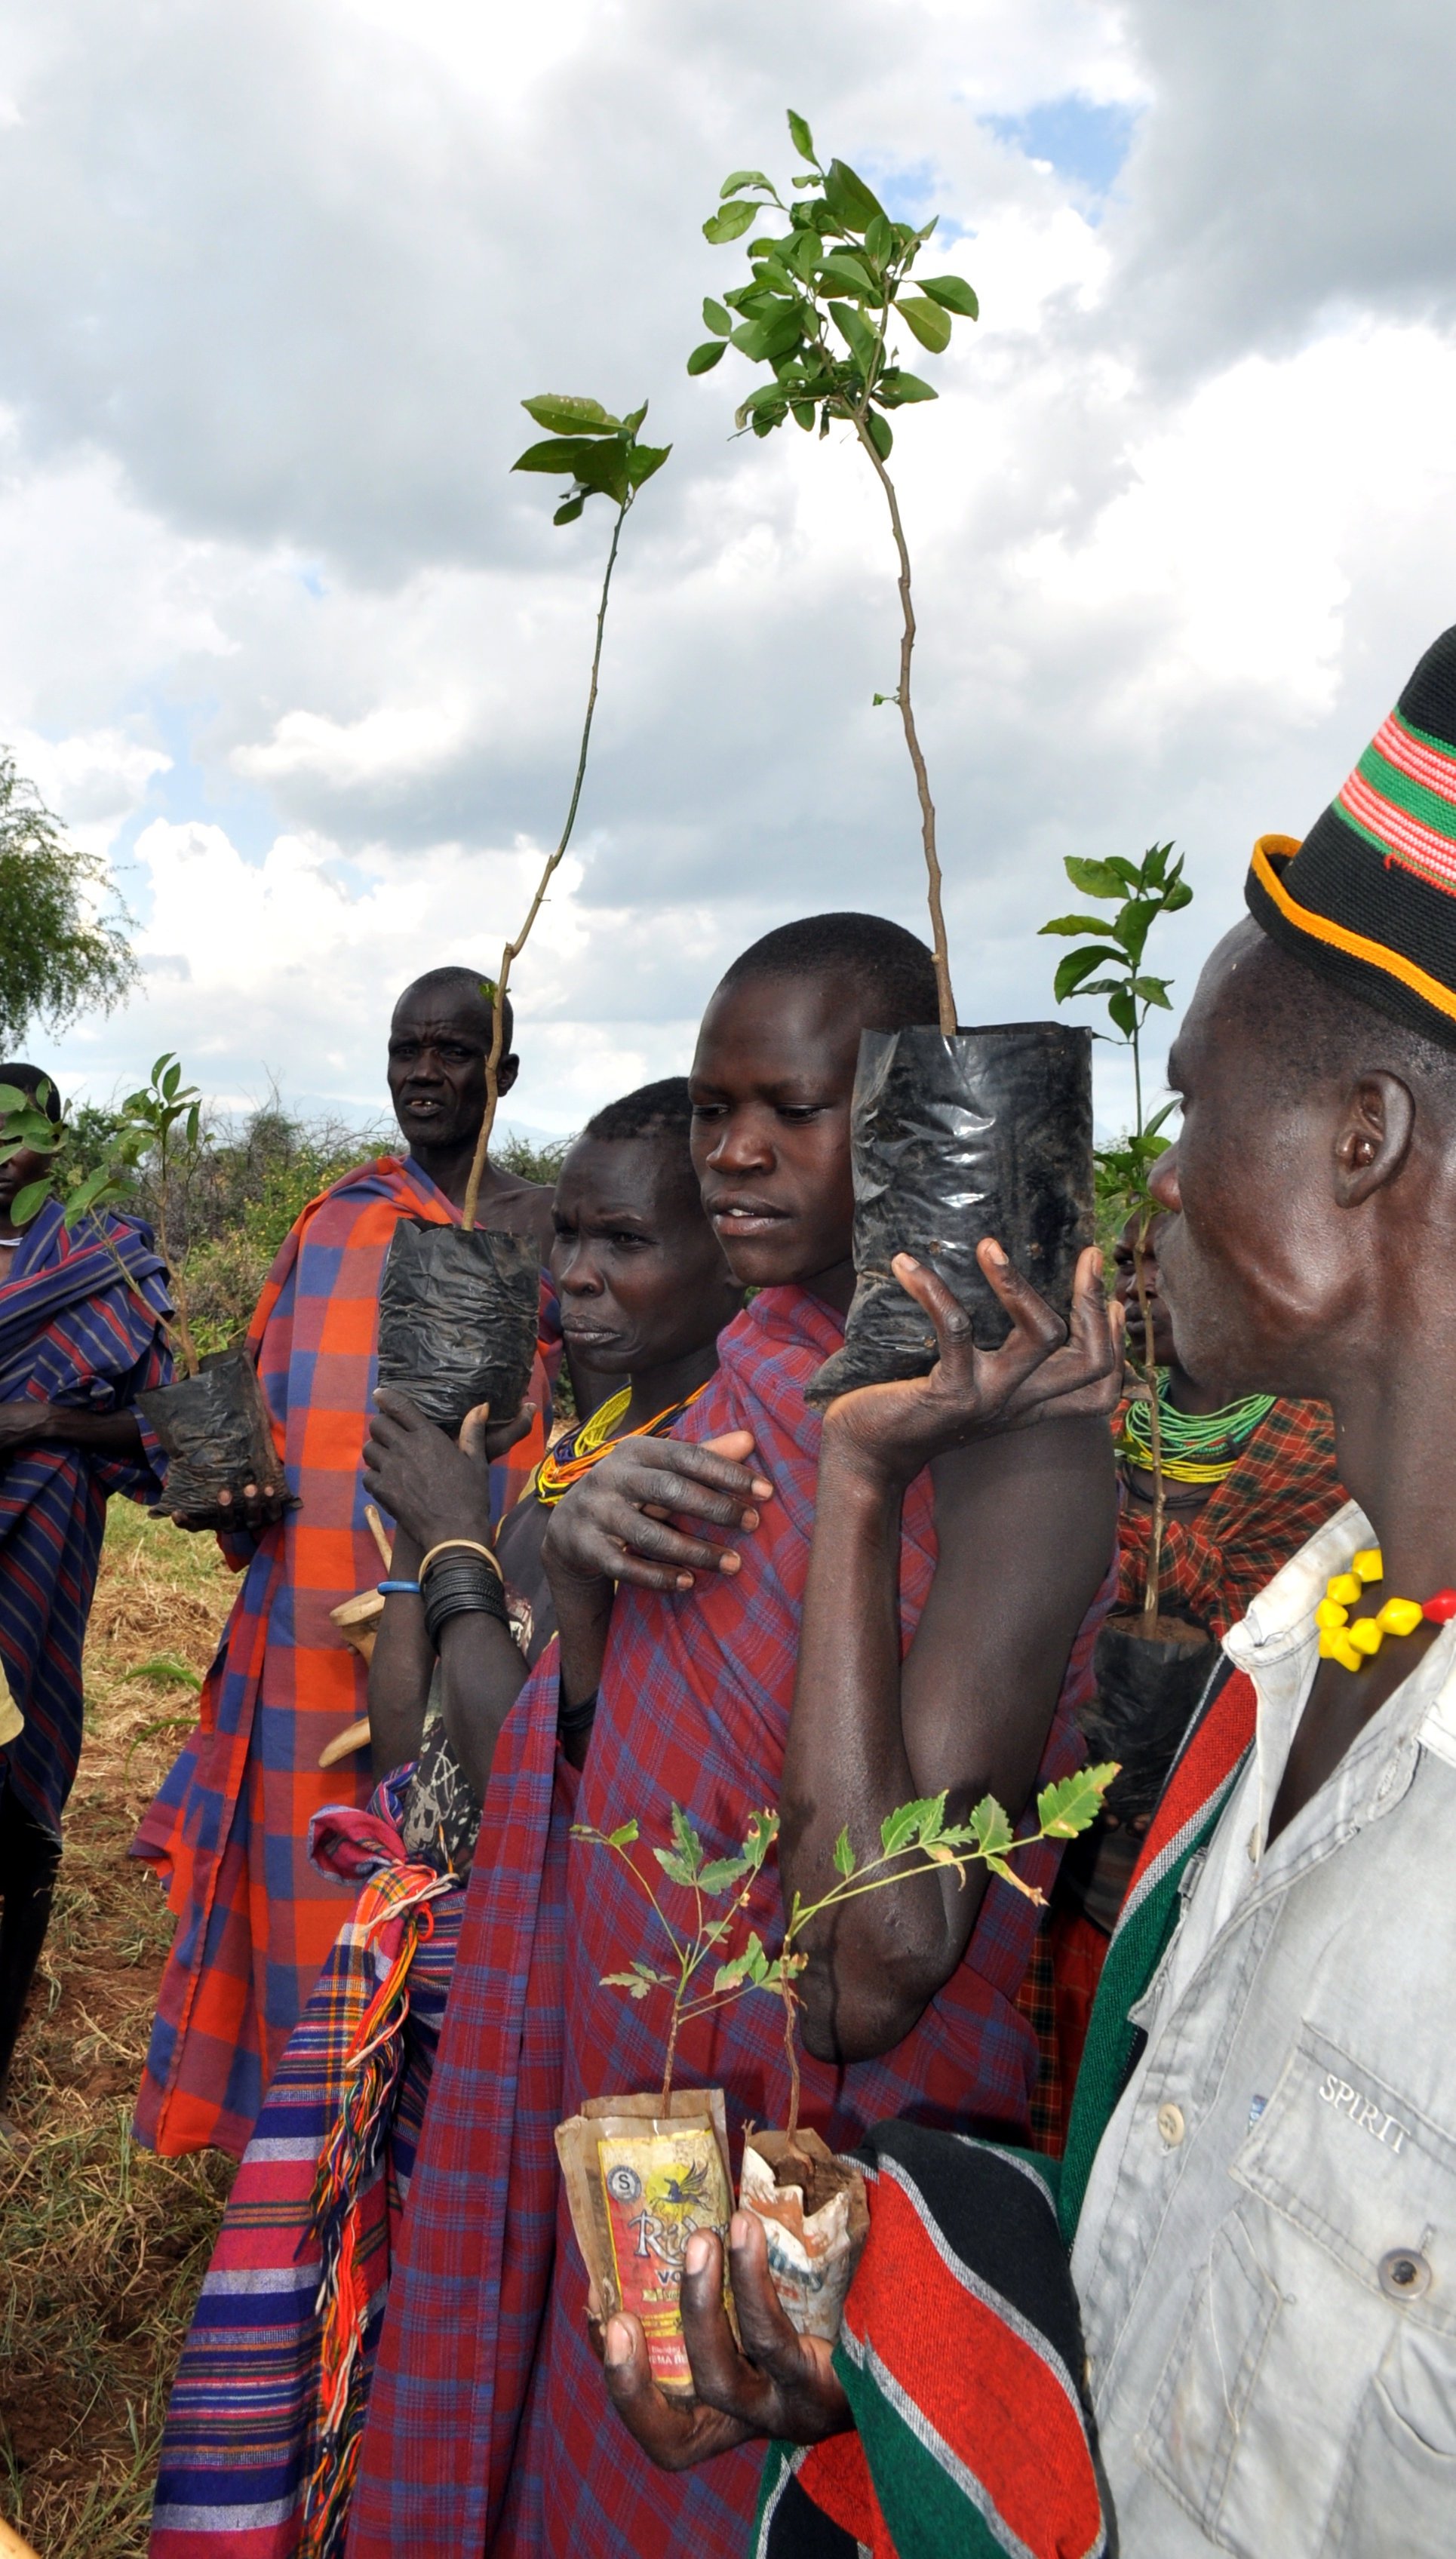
x,y
228,1829
1282,1489
488,2428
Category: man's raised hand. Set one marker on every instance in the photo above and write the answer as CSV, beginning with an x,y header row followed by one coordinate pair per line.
x,y
1045,1370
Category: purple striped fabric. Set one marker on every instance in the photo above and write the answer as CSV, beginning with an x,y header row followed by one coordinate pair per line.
x,y
75,1332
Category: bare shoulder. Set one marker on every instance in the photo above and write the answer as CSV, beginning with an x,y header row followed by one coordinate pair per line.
x,y
518,1207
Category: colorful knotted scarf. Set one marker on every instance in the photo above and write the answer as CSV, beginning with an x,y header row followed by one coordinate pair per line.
x,y
228,1829
262,2430
80,1324
488,2428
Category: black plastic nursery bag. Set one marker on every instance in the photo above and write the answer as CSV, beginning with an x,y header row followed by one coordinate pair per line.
x,y
458,1319
987,1134
215,1429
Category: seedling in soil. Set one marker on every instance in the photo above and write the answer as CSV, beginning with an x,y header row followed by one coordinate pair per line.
x,y
1141,893
161,1119
915,1840
602,458
819,309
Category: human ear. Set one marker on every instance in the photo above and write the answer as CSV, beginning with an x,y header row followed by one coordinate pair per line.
x,y
1375,1129
507,1073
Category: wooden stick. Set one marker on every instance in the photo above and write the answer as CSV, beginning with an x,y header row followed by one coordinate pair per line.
x,y
354,1738
376,1532
11,2544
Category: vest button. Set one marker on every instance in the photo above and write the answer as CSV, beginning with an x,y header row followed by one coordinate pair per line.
x,y
1171,2125
1404,2274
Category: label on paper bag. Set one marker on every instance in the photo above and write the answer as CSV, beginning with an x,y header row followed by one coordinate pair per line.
x,y
658,2189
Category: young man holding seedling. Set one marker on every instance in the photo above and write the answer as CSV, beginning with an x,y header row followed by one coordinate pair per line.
x,y
81,1335
676,1668
228,1829
1254,2347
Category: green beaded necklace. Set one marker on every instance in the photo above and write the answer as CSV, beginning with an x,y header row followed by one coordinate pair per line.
x,y
1198,1447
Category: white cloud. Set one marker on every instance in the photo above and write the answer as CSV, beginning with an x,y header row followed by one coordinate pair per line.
x,y
282,627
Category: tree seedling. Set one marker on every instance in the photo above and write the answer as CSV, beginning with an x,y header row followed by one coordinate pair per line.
x,y
915,1840
162,1119
602,458
819,309
1141,893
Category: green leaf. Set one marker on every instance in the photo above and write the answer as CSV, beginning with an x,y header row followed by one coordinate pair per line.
x,y
764,341
1076,966
715,317
1123,1012
644,461
1165,1112
1075,924
1153,990
556,455
863,341
26,1202
170,1083
842,267
720,1871
634,419
952,294
912,1824
689,1846
741,178
1072,1804
604,467
877,429
801,139
843,1853
731,223
804,254
802,414
568,511
848,198
561,414
1179,895
676,1869
879,240
898,389
925,321
990,1827
1094,879
762,1830
625,1837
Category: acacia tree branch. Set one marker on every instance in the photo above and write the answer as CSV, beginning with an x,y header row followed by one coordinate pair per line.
x,y
514,948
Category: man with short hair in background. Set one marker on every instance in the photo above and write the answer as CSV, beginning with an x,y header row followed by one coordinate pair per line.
x,y
228,1829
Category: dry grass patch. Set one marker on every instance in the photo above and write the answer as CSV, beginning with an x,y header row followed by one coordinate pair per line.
x,y
102,2247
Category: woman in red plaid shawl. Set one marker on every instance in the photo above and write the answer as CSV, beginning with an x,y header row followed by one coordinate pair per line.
x,y
485,2429
228,1829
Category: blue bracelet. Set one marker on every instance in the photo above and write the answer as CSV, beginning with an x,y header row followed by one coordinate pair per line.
x,y
386,1589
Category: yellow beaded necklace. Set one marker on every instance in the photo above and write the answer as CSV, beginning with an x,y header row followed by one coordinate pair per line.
x,y
1352,1643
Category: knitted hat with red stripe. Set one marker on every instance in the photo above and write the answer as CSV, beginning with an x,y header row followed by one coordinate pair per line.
x,y
1369,899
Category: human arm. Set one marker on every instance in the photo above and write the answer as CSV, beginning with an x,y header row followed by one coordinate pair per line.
x,y
614,1526
102,1434
1025,1521
435,1490
401,1666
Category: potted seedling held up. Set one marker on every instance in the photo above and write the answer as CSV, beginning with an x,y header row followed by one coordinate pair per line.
x,y
1151,1667
458,1306
956,1135
644,2172
212,1421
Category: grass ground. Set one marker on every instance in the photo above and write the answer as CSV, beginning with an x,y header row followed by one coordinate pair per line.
x,y
102,2247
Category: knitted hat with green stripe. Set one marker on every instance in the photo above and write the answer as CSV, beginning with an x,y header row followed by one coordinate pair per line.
x,y
1369,899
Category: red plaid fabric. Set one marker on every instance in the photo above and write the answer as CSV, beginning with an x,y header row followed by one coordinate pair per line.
x,y
1282,1489
488,2428
228,1829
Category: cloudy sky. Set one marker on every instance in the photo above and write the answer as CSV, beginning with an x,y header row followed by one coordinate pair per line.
x,y
279,633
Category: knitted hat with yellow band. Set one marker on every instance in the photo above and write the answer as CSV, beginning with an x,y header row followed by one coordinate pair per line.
x,y
1369,899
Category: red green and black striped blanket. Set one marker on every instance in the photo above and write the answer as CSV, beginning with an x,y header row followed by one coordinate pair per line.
x,y
962,2352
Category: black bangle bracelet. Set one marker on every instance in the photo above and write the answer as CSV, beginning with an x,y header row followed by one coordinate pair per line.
x,y
573,1719
464,1587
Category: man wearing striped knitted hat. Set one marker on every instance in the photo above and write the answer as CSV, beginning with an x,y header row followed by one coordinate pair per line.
x,y
1227,2322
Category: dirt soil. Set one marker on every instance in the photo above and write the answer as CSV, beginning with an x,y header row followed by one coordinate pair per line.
x,y
102,2246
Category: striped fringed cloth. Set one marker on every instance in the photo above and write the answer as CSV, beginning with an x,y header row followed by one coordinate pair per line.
x,y
262,2431
962,2352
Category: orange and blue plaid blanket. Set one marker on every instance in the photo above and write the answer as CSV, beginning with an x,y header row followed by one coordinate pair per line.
x,y
488,2428
228,1829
